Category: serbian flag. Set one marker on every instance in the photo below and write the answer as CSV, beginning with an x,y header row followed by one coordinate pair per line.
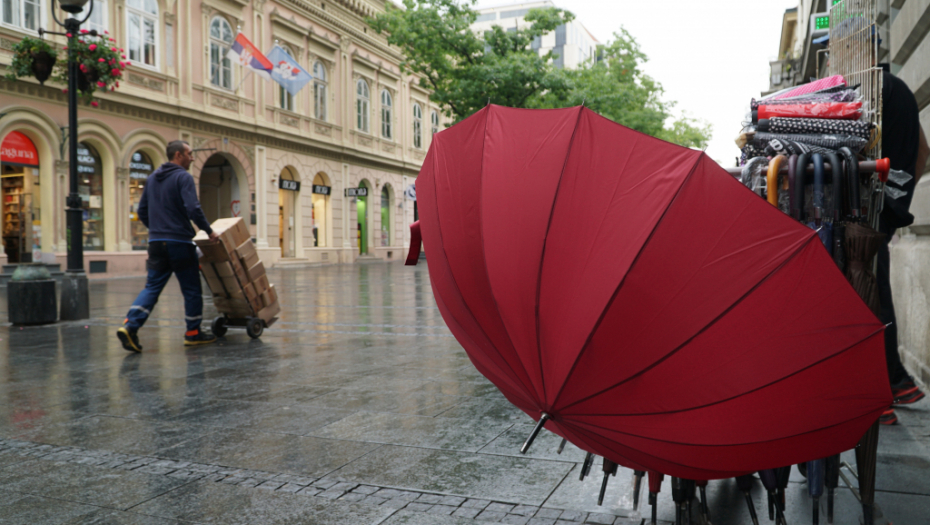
x,y
287,71
247,55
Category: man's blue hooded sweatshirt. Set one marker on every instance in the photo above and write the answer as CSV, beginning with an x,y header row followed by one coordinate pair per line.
x,y
169,204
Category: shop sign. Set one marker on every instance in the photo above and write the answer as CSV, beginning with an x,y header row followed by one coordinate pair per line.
x,y
322,190
290,185
138,167
411,192
356,192
18,150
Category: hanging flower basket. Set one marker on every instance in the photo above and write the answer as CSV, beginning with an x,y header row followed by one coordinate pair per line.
x,y
100,63
32,57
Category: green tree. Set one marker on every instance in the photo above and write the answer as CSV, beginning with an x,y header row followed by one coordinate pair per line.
x,y
464,70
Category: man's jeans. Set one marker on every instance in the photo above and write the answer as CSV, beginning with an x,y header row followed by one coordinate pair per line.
x,y
165,258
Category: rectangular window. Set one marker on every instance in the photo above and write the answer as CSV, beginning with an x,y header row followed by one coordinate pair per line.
x,y
486,17
98,17
169,45
514,13
26,14
135,38
150,42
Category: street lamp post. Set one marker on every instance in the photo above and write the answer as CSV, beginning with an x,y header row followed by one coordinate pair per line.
x,y
75,297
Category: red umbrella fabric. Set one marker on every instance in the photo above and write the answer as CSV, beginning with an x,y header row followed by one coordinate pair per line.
x,y
663,315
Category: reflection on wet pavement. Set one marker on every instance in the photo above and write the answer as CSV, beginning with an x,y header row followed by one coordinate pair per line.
x,y
357,407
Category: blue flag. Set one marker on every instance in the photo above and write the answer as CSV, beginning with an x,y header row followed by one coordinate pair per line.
x,y
286,71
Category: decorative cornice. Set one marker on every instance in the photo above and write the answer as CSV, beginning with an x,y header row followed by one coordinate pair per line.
x,y
340,23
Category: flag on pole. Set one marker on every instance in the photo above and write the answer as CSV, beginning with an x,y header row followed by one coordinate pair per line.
x,y
247,55
287,71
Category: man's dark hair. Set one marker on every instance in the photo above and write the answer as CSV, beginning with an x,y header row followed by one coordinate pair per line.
x,y
175,147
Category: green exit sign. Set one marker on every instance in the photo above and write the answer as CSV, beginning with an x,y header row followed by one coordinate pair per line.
x,y
822,22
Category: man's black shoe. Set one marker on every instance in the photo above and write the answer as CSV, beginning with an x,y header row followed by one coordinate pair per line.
x,y
198,338
129,339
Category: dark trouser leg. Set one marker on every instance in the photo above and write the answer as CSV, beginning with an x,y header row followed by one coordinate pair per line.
x,y
142,306
896,371
187,270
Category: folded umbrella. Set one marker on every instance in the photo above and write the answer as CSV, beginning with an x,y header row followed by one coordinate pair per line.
x,y
856,128
610,284
762,138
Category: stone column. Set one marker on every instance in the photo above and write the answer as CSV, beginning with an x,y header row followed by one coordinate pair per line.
x,y
261,204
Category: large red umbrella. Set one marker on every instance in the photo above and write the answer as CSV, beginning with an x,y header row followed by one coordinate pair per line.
x,y
661,314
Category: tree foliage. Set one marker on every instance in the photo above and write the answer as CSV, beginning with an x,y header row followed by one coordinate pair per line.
x,y
464,70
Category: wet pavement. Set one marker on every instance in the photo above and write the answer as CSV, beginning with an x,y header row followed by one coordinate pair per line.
x,y
357,407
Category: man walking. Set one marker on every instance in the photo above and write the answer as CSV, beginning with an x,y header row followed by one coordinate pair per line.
x,y
904,144
167,207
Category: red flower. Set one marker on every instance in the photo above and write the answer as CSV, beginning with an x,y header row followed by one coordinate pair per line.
x,y
83,68
64,90
106,32
65,48
101,85
84,31
115,72
94,103
101,60
123,57
92,47
117,83
68,35
113,49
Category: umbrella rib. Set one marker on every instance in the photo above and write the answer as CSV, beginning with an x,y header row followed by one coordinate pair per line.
x,y
455,282
542,256
780,379
813,235
613,297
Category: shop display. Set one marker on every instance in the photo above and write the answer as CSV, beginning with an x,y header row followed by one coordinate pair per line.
x,y
139,169
90,189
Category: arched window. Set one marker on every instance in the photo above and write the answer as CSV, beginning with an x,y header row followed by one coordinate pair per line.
x,y
417,126
386,104
221,38
284,96
385,216
90,188
434,122
142,24
362,102
140,167
319,91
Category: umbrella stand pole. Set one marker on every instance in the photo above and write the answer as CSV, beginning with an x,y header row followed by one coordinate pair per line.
x,y
561,446
849,484
586,465
637,485
539,425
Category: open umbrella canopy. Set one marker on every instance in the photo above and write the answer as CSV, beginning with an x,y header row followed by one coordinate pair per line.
x,y
660,313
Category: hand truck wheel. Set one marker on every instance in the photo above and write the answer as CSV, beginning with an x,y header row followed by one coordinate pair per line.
x,y
255,327
219,326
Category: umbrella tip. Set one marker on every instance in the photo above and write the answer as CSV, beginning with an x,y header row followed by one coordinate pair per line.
x,y
489,101
583,100
539,425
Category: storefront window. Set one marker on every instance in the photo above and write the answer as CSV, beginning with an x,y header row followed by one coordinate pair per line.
x,y
385,216
90,188
21,220
320,196
139,169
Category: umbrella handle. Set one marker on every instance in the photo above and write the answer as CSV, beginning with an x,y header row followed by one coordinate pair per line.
x,y
792,180
836,168
532,437
817,158
771,180
797,204
852,181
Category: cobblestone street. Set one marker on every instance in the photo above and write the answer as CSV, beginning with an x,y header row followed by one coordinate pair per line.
x,y
357,407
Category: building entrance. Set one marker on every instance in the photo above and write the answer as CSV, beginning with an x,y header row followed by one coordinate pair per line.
x,y
219,189
21,224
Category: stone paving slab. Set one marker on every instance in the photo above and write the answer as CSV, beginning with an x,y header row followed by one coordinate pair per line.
x,y
205,502
458,473
87,484
305,456
27,509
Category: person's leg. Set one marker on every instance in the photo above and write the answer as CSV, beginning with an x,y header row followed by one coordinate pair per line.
x,y
896,370
187,269
159,271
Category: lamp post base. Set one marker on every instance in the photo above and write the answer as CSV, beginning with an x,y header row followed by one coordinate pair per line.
x,y
75,297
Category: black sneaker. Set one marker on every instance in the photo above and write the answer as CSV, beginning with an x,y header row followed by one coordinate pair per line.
x,y
129,339
198,338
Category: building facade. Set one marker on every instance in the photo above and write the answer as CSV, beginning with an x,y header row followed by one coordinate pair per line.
x,y
571,44
284,163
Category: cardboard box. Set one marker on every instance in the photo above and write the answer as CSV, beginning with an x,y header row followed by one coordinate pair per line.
x,y
269,296
213,251
261,284
256,272
268,312
247,253
223,269
232,232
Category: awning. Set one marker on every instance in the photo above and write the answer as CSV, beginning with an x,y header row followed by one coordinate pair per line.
x,y
18,150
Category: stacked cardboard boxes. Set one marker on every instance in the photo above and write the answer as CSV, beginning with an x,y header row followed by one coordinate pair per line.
x,y
235,274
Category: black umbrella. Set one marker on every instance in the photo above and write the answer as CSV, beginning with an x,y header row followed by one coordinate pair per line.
x,y
744,483
831,478
610,469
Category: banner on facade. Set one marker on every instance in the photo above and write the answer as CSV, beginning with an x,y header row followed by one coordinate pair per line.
x,y
247,55
286,71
